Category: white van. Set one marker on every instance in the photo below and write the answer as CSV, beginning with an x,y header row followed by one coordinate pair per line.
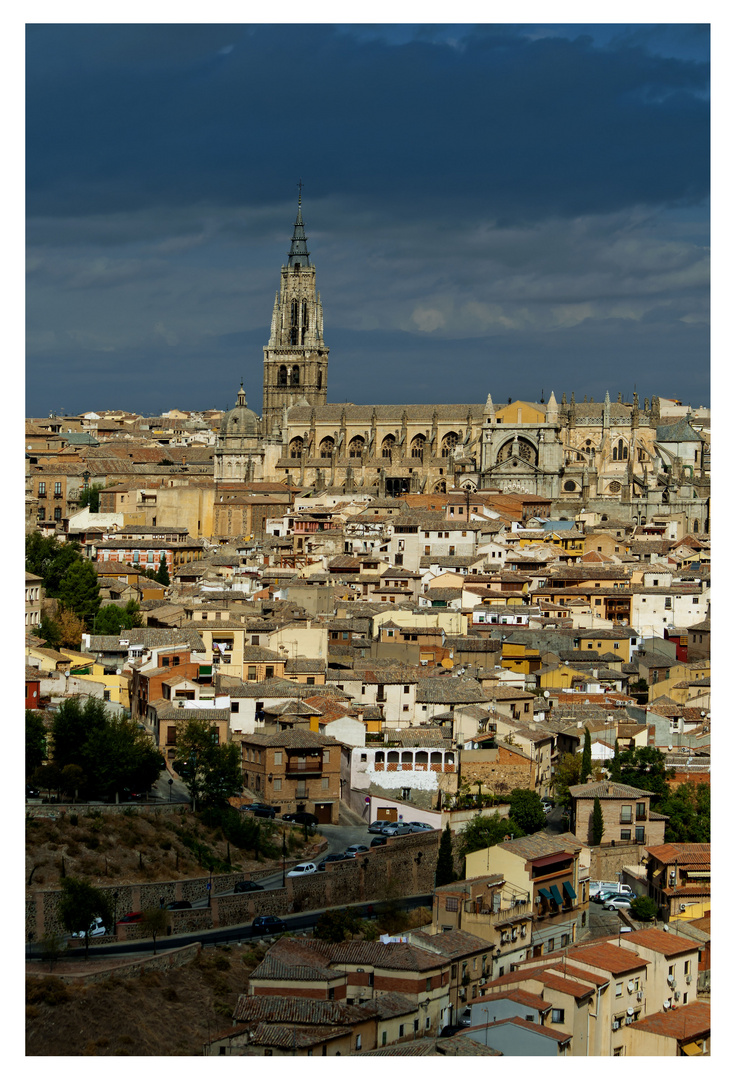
x,y
611,887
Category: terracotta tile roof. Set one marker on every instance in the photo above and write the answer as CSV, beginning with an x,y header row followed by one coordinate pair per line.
x,y
608,957
658,941
536,846
452,943
580,974
521,997
683,854
686,1023
285,1010
287,1038
528,1025
601,791
294,740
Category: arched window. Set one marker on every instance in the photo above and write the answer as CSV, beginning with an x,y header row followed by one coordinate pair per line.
x,y
355,446
296,447
620,451
305,319
440,486
696,526
319,380
326,447
524,450
449,443
294,333
387,446
283,375
417,446
295,376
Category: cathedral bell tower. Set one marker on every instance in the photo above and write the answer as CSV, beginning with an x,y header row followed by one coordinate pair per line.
x,y
295,359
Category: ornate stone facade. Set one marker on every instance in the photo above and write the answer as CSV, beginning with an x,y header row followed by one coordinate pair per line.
x,y
590,455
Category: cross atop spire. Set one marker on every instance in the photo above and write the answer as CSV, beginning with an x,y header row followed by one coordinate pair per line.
x,y
298,254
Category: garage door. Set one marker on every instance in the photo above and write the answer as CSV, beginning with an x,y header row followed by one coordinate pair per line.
x,y
323,812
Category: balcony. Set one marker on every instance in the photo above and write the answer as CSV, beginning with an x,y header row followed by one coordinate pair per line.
x,y
308,767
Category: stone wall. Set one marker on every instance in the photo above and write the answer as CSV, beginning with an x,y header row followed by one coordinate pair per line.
x,y
606,861
498,770
404,866
165,961
59,810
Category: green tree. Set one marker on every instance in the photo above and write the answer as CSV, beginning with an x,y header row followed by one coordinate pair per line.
x,y
47,778
79,591
639,690
525,810
643,908
445,872
112,752
111,618
51,560
72,779
75,720
50,631
688,811
614,769
567,774
90,496
154,922
336,925
79,904
586,765
162,574
211,772
644,767
35,741
596,825
482,832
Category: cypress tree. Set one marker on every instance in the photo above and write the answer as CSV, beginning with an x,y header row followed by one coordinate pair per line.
x,y
445,872
596,826
162,574
615,766
586,766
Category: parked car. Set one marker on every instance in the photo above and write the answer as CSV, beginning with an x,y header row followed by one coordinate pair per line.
x,y
301,818
329,858
377,826
260,809
396,828
302,869
32,792
605,894
597,887
96,929
247,886
547,806
269,924
379,841
421,825
465,1018
178,905
617,903
355,849
416,826
131,917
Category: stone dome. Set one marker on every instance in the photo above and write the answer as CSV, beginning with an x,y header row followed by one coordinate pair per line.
x,y
241,420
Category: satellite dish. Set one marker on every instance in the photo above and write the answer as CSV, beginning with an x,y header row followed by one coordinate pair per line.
x,y
630,1011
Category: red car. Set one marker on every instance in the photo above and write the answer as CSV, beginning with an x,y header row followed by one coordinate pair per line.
x,y
131,917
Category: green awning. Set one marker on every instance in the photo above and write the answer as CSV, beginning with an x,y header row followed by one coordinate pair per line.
x,y
556,894
568,890
546,894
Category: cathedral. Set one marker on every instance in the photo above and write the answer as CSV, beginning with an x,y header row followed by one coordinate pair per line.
x,y
579,454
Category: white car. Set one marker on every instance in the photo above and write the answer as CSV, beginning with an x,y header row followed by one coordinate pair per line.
x,y
302,869
616,903
97,929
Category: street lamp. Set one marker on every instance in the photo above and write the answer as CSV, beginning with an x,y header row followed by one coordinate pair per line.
x,y
171,784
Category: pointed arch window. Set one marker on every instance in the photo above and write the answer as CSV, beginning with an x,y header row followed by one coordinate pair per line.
x,y
296,447
620,451
327,447
449,443
522,448
319,380
283,376
417,446
295,376
387,446
356,446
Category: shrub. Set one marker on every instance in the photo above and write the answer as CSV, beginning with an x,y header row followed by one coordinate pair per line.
x,y
643,908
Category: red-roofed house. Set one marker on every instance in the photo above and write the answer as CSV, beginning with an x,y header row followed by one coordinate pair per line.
x,y
681,1032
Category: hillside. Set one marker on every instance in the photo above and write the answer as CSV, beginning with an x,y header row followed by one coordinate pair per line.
x,y
155,1014
137,847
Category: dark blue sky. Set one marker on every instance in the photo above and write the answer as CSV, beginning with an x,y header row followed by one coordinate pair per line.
x,y
504,209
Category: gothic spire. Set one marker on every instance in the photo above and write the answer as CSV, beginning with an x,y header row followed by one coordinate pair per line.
x,y
298,254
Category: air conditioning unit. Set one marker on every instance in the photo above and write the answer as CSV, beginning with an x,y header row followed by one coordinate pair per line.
x,y
677,995
688,979
523,931
640,996
616,1024
629,1019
